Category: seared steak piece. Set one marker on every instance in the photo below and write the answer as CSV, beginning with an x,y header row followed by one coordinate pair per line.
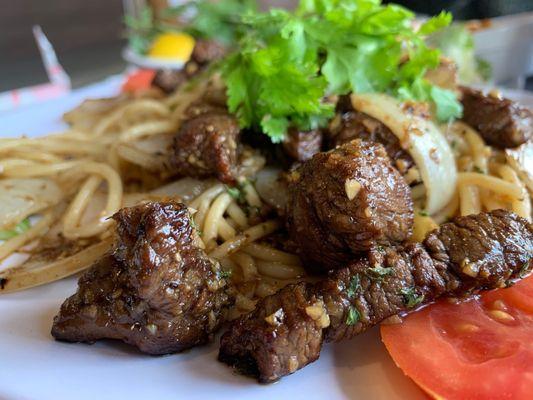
x,y
169,80
207,145
213,101
204,52
158,290
502,122
302,145
357,125
477,252
278,336
344,201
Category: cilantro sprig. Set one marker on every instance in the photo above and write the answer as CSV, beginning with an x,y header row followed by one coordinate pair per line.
x,y
287,63
219,20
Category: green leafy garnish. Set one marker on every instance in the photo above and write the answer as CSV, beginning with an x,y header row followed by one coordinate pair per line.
x,y
457,43
142,30
219,20
236,193
478,170
353,316
354,286
21,227
287,63
423,213
195,227
225,274
411,298
380,272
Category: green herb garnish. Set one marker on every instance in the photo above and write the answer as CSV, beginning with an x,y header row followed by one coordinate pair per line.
x,y
478,170
225,274
195,227
219,20
142,30
353,316
354,286
380,272
423,213
287,63
236,193
411,298
457,43
21,227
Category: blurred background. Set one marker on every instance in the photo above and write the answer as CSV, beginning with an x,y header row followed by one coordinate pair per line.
x,y
88,36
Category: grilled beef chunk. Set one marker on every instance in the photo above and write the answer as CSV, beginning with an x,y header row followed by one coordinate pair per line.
x,y
158,290
277,336
169,80
357,125
302,145
213,101
204,52
351,124
502,122
344,201
472,253
207,145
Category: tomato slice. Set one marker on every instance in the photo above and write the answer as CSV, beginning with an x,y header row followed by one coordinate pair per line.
x,y
138,81
477,349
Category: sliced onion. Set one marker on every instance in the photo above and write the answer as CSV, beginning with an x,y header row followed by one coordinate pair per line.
x,y
422,139
270,188
521,160
20,198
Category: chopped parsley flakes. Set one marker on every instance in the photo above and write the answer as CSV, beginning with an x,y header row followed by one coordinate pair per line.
x,y
410,297
380,272
225,274
353,316
354,286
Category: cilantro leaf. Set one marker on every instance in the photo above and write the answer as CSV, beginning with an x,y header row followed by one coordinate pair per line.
x,y
436,23
287,63
236,193
445,100
219,20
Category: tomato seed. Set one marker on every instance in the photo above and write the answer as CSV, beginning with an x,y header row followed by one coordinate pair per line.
x,y
500,315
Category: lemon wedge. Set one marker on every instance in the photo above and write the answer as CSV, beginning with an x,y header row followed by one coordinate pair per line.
x,y
172,45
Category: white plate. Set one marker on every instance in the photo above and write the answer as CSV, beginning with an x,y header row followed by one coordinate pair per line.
x,y
34,366
150,62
